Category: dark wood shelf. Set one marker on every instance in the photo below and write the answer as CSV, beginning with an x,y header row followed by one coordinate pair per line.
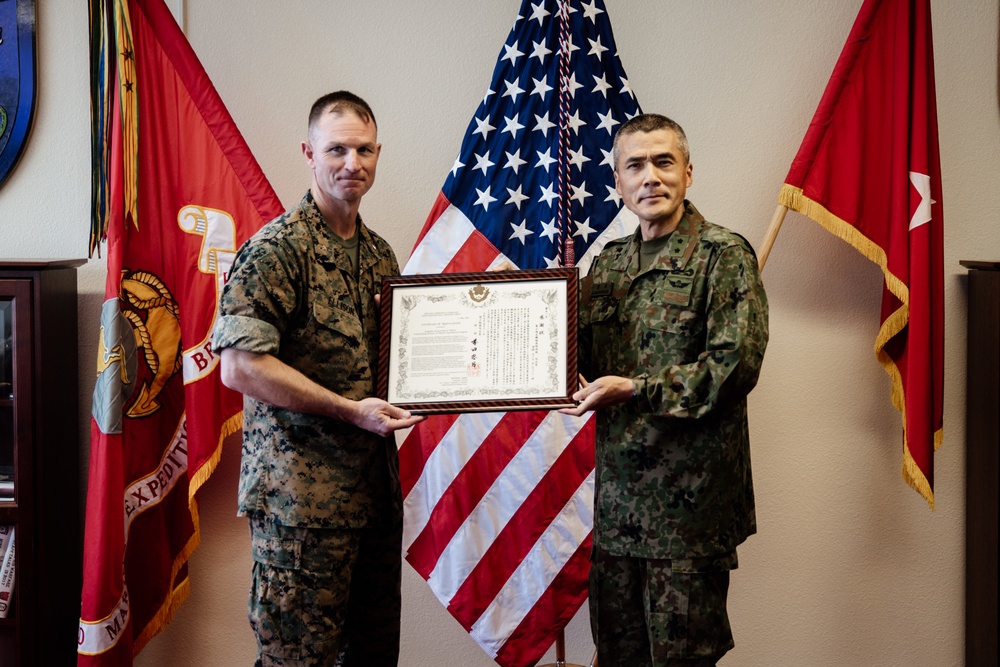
x,y
982,440
40,443
40,264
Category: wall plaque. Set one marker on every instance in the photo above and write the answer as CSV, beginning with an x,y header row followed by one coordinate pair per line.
x,y
17,80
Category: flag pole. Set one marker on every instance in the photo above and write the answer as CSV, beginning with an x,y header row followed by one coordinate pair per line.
x,y
561,654
567,252
772,234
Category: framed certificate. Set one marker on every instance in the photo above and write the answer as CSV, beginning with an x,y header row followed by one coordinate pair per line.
x,y
474,342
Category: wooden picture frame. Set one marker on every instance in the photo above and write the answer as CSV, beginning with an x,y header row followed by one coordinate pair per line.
x,y
477,342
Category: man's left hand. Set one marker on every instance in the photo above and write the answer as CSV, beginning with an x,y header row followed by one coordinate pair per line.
x,y
602,392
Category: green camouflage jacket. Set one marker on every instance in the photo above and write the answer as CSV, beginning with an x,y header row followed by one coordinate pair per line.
x,y
291,294
673,464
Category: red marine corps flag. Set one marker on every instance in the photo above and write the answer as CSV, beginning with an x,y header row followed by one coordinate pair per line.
x,y
176,192
499,507
868,171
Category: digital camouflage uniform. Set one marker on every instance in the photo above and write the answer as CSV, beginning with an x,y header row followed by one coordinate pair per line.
x,y
673,488
323,496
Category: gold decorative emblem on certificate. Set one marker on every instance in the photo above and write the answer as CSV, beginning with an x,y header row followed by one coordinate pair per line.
x,y
479,293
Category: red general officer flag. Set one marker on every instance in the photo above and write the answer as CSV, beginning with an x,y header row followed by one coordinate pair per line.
x,y
868,170
178,191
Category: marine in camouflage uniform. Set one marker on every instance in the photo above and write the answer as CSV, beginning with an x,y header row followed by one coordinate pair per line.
x,y
687,326
322,494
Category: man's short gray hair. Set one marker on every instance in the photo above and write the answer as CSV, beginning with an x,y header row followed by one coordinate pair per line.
x,y
651,122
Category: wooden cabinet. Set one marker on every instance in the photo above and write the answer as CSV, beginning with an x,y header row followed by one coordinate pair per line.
x,y
40,459
982,440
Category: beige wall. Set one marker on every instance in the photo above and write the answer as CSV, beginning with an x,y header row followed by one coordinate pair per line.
x,y
850,566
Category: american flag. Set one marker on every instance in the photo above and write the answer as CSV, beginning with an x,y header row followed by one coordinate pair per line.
x,y
499,506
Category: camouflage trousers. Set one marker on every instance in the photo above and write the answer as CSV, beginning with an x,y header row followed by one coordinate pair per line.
x,y
325,597
660,613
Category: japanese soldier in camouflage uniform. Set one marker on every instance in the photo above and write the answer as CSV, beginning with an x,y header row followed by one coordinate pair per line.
x,y
673,330
319,478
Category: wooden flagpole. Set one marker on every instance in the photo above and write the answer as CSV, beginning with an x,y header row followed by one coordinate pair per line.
x,y
772,234
561,654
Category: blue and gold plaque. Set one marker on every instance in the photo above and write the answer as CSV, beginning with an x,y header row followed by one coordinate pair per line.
x,y
17,80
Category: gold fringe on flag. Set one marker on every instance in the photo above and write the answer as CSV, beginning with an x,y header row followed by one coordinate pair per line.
x,y
796,200
182,589
232,425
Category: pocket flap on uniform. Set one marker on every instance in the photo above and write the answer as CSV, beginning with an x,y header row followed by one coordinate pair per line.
x,y
677,321
336,319
603,308
277,552
719,563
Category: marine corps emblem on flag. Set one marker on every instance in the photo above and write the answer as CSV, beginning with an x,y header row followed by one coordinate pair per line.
x,y
116,364
143,317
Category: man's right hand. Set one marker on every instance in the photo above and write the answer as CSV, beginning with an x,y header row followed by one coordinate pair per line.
x,y
270,380
505,265
377,416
